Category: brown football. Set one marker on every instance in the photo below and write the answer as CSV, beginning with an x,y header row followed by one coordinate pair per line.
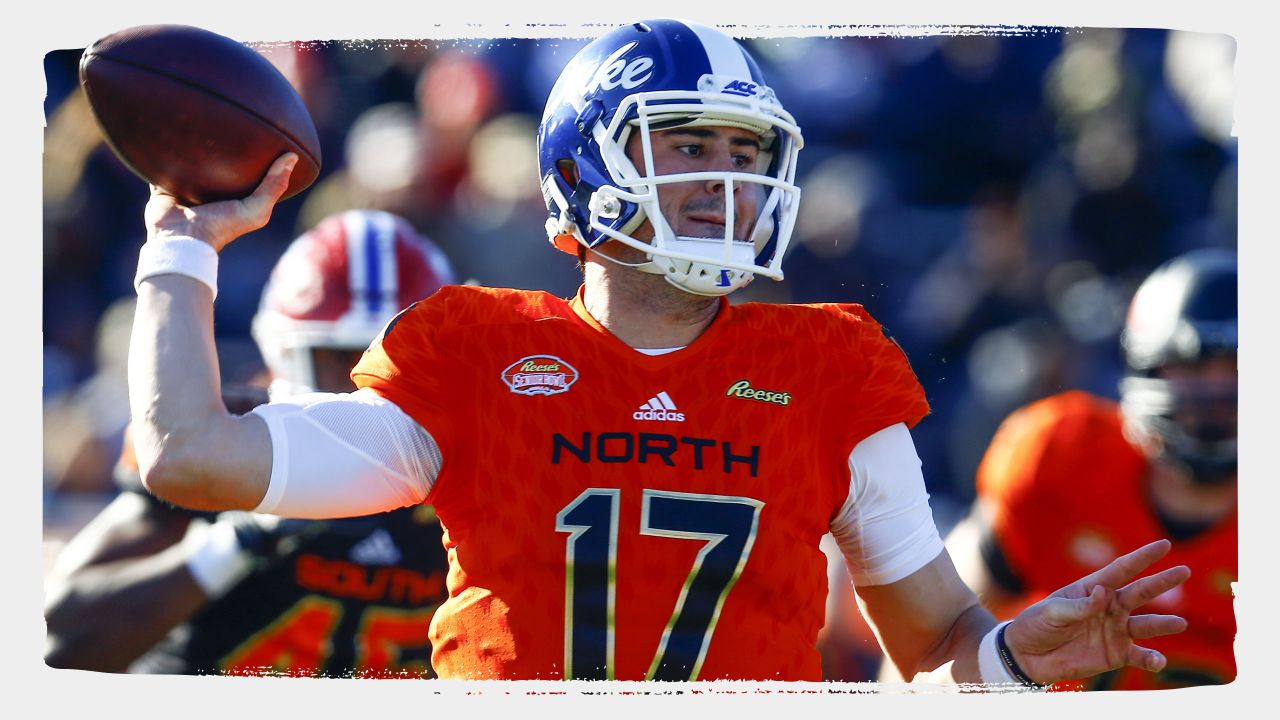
x,y
198,114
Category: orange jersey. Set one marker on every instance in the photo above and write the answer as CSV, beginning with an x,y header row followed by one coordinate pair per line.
x,y
614,515
1069,495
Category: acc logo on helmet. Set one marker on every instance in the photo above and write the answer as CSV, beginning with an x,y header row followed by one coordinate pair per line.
x,y
740,87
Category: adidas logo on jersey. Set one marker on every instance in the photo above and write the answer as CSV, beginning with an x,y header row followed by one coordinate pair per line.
x,y
659,407
377,549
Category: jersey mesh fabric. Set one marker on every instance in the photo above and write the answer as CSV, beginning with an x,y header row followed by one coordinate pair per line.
x,y
403,446
1067,494
561,443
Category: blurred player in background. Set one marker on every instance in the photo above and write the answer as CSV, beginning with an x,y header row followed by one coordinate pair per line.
x,y
634,481
152,588
1071,479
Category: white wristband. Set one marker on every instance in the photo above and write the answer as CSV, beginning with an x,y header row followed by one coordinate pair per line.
x,y
178,256
215,559
990,665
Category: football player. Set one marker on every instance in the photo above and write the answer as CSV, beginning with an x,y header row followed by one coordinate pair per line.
x,y
633,481
1163,458
236,592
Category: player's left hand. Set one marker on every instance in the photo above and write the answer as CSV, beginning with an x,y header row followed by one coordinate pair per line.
x,y
1088,627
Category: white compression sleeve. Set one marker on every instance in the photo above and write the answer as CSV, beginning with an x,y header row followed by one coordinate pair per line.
x,y
342,455
885,528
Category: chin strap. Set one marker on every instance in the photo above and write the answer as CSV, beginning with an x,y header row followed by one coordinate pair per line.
x,y
648,266
703,276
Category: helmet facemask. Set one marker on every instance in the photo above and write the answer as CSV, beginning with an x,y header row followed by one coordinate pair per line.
x,y
1188,422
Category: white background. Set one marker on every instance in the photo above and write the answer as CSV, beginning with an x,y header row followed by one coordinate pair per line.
x,y
33,688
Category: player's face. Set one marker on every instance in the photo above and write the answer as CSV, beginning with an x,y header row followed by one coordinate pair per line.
x,y
332,367
1207,397
697,208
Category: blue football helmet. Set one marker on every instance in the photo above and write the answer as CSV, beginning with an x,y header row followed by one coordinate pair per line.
x,y
658,75
1184,314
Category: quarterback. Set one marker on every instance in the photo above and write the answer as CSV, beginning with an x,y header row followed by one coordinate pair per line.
x,y
633,482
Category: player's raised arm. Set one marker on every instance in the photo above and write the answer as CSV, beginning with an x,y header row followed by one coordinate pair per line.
x,y
190,450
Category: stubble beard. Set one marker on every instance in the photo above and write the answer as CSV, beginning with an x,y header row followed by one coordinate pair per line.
x,y
649,289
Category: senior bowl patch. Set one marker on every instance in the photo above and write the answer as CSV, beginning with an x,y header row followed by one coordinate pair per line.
x,y
539,375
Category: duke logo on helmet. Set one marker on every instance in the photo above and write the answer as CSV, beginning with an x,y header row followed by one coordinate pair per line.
x,y
659,75
615,72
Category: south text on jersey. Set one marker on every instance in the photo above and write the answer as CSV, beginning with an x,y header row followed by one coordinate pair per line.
x,y
388,585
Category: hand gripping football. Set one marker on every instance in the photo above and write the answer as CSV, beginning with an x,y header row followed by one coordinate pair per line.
x,y
196,113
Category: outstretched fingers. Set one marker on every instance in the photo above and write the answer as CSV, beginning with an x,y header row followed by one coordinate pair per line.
x,y
1144,590
1120,571
1062,611
1145,658
1142,627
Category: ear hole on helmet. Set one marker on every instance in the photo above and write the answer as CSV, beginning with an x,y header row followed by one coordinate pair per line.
x,y
568,170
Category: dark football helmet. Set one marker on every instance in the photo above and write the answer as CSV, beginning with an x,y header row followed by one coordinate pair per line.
x,y
1181,318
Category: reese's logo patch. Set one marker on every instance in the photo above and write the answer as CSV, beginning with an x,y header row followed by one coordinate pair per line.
x,y
539,375
743,389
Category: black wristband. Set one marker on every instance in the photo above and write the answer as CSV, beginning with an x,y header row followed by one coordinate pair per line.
x,y
1007,656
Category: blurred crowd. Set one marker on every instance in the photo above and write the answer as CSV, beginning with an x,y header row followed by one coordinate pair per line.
x,y
992,199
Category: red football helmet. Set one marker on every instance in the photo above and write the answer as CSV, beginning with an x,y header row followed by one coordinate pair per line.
x,y
335,288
